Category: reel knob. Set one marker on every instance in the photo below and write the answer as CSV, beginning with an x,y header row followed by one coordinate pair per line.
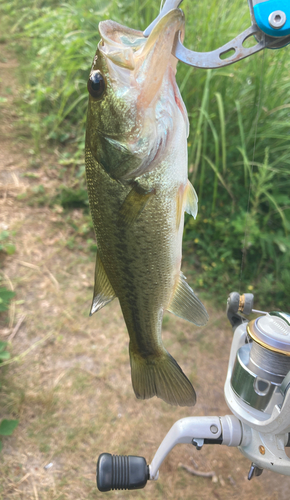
x,y
118,472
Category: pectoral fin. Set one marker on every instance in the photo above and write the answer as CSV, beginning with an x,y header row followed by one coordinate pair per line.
x,y
186,305
103,291
191,200
134,203
186,200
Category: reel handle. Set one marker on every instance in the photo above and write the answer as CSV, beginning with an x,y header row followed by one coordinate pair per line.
x,y
121,472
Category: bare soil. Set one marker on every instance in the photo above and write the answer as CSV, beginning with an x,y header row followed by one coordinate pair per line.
x,y
70,383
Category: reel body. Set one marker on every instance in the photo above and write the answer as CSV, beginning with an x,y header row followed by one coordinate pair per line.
x,y
256,389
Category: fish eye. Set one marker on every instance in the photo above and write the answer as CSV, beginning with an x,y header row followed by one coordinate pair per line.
x,y
96,84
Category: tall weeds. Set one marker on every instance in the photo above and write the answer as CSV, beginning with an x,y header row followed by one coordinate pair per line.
x,y
239,138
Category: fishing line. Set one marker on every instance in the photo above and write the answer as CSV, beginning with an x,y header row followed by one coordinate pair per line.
x,y
243,262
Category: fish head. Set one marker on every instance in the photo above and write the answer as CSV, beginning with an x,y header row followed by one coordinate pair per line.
x,y
133,96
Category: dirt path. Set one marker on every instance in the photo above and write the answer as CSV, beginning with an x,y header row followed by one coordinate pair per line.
x,y
72,390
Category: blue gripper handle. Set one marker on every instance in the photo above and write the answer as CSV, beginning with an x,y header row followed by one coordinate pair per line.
x,y
263,10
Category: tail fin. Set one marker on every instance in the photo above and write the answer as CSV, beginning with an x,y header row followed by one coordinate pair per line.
x,y
161,376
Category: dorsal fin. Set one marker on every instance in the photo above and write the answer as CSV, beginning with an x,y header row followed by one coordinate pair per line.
x,y
186,305
103,290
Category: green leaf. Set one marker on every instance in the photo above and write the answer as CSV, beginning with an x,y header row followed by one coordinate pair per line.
x,y
282,246
4,355
4,235
2,345
9,249
7,427
5,297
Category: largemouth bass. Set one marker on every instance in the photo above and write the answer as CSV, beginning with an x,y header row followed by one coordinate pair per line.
x,y
136,168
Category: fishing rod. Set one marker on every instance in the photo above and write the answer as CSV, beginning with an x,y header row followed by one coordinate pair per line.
x,y
257,385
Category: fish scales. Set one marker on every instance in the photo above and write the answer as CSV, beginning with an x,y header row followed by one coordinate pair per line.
x,y
136,168
140,263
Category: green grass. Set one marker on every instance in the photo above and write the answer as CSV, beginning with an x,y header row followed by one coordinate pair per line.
x,y
238,145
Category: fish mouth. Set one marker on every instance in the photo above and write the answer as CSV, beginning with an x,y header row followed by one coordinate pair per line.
x,y
119,43
142,71
146,57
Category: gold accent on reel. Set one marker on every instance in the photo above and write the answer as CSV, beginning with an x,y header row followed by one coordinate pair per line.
x,y
253,336
242,303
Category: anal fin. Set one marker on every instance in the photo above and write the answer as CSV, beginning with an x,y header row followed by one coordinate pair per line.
x,y
103,290
186,305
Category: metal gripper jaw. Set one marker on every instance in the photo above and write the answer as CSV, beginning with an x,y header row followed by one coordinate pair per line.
x,y
270,27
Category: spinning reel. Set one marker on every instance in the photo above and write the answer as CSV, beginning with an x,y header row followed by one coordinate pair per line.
x,y
256,391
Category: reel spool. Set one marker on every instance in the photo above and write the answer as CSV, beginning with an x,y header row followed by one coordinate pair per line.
x,y
262,363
